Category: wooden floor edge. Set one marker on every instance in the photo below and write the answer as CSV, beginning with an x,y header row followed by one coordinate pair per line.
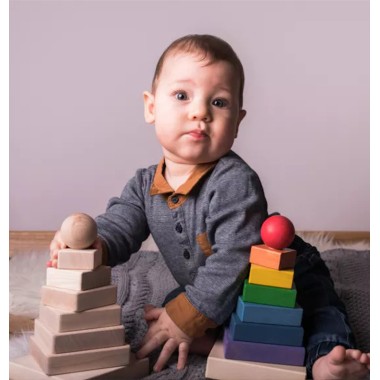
x,y
21,241
24,241
341,235
43,235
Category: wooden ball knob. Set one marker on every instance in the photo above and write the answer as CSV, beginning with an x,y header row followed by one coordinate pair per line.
x,y
79,231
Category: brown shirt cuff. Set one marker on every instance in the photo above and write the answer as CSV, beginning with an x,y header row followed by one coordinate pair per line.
x,y
189,319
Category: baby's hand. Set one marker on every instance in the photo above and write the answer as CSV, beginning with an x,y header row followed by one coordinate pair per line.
x,y
55,245
163,331
78,231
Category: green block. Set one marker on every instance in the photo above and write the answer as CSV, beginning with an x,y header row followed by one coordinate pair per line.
x,y
269,295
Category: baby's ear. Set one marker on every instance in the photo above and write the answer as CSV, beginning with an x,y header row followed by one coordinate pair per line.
x,y
149,107
242,114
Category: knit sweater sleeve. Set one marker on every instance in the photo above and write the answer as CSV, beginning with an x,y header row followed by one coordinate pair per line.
x,y
123,227
236,209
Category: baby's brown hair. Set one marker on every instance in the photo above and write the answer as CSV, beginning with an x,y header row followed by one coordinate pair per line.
x,y
213,49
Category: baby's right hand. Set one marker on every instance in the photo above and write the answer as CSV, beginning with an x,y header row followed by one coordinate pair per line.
x,y
56,244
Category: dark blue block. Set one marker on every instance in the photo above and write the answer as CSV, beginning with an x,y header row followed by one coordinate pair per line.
x,y
265,333
262,352
273,315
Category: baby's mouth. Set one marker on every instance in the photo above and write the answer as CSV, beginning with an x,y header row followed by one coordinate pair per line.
x,y
197,134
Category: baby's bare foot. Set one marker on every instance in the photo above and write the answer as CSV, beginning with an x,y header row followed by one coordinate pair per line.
x,y
342,364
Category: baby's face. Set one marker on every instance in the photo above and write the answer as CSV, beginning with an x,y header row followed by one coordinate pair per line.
x,y
195,108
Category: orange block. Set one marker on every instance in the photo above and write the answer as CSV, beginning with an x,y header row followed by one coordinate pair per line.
x,y
273,258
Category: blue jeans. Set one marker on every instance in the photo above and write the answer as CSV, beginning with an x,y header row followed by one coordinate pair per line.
x,y
324,314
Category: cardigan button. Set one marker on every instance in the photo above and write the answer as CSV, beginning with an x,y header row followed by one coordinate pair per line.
x,y
186,254
178,228
175,199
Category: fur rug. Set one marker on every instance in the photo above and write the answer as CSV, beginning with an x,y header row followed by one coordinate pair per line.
x,y
146,279
27,273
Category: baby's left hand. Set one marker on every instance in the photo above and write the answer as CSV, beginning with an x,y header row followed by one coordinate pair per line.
x,y
162,330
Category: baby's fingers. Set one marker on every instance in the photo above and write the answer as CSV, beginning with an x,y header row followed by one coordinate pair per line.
x,y
166,352
183,353
55,245
152,313
150,344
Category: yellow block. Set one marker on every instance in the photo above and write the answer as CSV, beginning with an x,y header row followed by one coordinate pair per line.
x,y
271,277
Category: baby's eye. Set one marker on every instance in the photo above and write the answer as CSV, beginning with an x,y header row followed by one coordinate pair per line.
x,y
220,103
181,95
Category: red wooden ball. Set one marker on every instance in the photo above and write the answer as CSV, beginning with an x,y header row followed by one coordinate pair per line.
x,y
277,232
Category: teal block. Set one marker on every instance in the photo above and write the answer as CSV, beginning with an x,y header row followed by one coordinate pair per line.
x,y
273,315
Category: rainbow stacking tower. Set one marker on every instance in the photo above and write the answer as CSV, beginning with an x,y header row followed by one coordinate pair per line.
x,y
78,333
265,338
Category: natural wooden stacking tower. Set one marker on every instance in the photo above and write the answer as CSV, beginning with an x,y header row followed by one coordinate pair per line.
x,y
79,325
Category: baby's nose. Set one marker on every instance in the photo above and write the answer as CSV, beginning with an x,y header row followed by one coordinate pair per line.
x,y
199,111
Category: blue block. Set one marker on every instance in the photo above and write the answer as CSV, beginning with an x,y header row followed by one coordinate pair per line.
x,y
265,333
262,352
273,315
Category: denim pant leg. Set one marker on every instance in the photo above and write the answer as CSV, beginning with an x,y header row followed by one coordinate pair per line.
x,y
324,314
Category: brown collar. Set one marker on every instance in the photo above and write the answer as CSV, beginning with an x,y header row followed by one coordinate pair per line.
x,y
160,185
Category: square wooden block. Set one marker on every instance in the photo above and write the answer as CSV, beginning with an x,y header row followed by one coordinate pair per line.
x,y
26,368
269,295
53,364
218,367
86,259
60,321
265,333
271,277
262,352
78,300
273,258
80,340
269,314
78,279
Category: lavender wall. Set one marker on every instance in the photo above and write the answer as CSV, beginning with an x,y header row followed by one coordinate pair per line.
x,y
78,70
